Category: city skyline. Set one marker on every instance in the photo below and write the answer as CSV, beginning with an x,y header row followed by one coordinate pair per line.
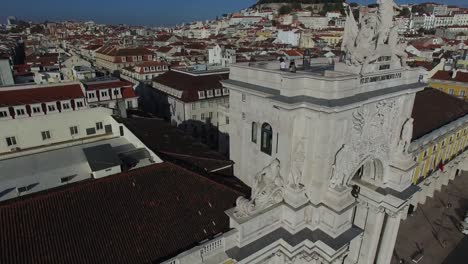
x,y
130,12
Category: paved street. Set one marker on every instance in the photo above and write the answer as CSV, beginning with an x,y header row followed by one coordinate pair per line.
x,y
433,228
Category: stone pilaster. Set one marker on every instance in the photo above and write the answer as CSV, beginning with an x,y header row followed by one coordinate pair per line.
x,y
387,244
374,222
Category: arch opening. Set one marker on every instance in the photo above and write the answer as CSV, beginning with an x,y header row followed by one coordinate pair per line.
x,y
371,171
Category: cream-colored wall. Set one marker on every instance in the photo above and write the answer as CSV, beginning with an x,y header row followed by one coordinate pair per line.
x,y
28,130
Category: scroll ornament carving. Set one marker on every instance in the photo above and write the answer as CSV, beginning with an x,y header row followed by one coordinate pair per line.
x,y
372,129
267,190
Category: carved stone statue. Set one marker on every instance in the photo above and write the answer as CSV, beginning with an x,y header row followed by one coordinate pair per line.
x,y
339,167
267,190
295,175
373,37
386,14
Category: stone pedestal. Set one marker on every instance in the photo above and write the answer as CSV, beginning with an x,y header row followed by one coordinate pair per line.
x,y
295,197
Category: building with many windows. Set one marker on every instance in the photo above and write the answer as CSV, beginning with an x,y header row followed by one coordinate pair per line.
x,y
113,58
108,92
62,138
190,99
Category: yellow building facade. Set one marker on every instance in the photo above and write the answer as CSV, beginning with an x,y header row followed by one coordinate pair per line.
x,y
441,150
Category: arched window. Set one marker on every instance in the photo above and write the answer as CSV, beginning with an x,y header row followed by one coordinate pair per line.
x,y
254,132
267,135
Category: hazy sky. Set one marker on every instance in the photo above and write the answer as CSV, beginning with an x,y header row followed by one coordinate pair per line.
x,y
135,12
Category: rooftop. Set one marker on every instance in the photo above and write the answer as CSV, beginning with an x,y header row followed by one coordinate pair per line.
x,y
190,84
146,215
174,145
448,76
441,108
32,94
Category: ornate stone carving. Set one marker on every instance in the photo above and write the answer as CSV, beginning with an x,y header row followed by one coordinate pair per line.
x,y
297,166
373,37
372,129
267,190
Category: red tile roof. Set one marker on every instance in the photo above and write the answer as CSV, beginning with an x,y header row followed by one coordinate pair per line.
x,y
433,109
447,76
190,84
117,51
41,94
146,215
128,92
91,86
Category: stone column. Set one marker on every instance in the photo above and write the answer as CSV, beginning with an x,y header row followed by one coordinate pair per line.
x,y
387,244
370,242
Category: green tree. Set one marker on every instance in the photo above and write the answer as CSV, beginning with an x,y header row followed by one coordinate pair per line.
x,y
296,5
284,10
405,12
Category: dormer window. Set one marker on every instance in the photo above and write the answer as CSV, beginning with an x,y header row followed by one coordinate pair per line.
x,y
201,94
104,93
152,68
116,92
209,93
79,104
36,109
217,92
20,112
66,106
3,114
51,108
91,95
140,58
146,69
124,59
134,58
158,68
225,91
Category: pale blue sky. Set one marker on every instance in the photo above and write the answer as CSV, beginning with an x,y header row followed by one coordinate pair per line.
x,y
135,12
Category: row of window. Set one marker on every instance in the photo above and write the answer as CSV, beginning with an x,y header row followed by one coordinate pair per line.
x,y
136,58
433,156
203,117
103,93
38,109
210,103
209,93
451,92
46,135
152,68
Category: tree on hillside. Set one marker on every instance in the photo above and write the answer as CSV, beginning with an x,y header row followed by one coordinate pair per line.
x,y
405,12
284,10
296,5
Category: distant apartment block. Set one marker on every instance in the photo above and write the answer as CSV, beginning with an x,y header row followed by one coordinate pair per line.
x,y
109,92
114,58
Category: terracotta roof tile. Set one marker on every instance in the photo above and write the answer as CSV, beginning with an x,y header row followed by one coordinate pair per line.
x,y
190,84
146,215
433,109
40,94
